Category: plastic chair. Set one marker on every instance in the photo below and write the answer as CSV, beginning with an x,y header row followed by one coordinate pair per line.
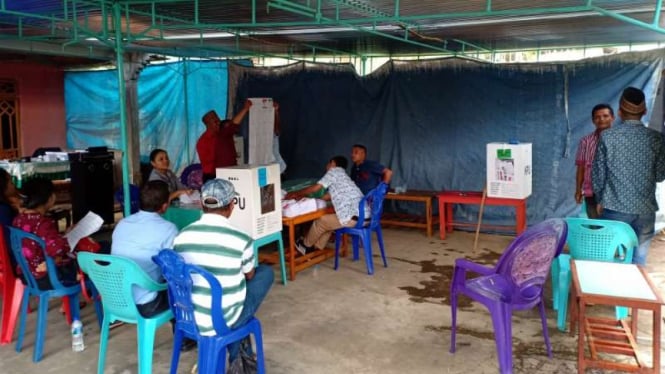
x,y
31,289
211,356
12,292
590,239
114,277
134,198
274,237
192,176
515,283
363,229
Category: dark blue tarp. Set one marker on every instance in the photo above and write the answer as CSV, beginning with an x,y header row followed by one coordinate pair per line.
x,y
171,100
430,120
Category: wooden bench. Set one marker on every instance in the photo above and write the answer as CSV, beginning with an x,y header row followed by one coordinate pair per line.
x,y
409,220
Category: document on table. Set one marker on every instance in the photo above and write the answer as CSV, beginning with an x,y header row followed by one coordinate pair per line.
x,y
87,226
193,198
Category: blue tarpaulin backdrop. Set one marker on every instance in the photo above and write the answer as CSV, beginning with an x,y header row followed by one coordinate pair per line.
x,y
171,100
427,120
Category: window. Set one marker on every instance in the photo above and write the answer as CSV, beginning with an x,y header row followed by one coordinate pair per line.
x,y
9,121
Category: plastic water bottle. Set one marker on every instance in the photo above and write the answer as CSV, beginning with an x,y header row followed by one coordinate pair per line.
x,y
77,336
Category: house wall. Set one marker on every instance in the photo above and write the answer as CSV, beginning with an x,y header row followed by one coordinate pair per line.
x,y
41,104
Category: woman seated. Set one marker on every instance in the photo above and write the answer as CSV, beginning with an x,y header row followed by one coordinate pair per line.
x,y
161,171
10,201
38,198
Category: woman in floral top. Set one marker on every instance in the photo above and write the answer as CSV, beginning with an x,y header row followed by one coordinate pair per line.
x,y
38,198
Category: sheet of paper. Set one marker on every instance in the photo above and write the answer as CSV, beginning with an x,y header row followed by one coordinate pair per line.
x,y
261,130
88,225
194,197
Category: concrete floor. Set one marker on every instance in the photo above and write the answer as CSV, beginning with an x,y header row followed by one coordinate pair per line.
x,y
397,321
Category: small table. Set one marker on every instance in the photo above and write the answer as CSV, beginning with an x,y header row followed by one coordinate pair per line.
x,y
448,198
613,284
303,262
411,195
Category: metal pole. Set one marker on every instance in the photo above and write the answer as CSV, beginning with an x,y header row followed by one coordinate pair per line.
x,y
120,65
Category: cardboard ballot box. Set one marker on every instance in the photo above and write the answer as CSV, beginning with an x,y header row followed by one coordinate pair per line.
x,y
258,209
509,170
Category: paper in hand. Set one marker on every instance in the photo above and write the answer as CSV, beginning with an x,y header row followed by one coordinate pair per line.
x,y
87,226
193,198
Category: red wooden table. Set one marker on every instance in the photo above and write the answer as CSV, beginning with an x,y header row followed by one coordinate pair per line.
x,y
448,198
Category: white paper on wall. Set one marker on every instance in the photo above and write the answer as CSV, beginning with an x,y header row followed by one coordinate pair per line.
x,y
261,129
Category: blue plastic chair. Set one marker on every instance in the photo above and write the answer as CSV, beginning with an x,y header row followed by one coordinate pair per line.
x,y
590,239
274,237
363,229
211,356
114,278
16,238
515,283
134,198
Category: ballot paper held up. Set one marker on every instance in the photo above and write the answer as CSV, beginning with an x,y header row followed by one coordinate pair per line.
x,y
88,225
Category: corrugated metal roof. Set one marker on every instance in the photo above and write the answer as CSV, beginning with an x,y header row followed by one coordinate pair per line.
x,y
302,27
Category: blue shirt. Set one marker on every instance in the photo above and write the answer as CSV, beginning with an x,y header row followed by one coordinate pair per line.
x,y
139,237
629,161
367,175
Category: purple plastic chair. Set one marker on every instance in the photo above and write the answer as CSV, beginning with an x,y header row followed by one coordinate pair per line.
x,y
515,283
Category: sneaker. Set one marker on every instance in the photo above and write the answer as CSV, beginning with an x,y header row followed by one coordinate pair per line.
x,y
301,247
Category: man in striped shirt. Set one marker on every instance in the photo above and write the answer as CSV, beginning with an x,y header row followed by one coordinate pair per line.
x,y
228,253
602,117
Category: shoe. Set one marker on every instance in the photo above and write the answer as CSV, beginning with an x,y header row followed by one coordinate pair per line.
x,y
187,345
115,324
301,247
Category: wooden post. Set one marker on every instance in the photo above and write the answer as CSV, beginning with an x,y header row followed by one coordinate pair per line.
x,y
480,218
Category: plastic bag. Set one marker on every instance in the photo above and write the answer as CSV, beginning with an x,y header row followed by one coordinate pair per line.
x,y
245,363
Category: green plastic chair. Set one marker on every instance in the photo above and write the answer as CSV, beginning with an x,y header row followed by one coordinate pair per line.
x,y
114,277
590,239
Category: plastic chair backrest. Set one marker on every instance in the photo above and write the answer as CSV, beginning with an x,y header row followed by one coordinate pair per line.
x,y
192,176
114,276
7,264
134,198
374,200
526,262
178,275
16,239
598,239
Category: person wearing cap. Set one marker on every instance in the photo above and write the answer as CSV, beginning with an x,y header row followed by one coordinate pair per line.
x,y
227,252
367,173
216,147
602,117
345,197
629,161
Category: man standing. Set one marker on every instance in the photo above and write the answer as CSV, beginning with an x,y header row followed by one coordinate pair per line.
x,y
366,173
630,160
602,117
345,197
216,245
216,147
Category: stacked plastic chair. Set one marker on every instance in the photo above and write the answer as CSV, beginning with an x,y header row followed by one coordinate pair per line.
x,y
211,357
363,229
114,278
31,289
12,291
515,283
590,239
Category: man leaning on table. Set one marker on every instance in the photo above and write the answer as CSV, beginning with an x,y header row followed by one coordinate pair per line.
x,y
345,197
629,161
227,252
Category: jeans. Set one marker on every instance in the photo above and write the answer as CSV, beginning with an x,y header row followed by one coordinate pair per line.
x,y
642,224
257,289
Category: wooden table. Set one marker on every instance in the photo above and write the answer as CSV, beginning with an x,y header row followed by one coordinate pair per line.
x,y
297,264
425,197
448,198
613,284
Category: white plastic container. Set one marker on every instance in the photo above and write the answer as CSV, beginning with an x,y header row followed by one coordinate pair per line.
x,y
77,336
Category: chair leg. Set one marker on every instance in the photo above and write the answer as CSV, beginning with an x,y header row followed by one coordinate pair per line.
x,y
11,304
258,339
621,312
501,322
175,356
103,343
546,335
379,238
453,322
338,239
354,241
554,273
210,359
282,260
367,248
564,293
146,341
24,317
41,328
66,308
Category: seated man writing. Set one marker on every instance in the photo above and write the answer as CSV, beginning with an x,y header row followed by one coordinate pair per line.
x,y
345,197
